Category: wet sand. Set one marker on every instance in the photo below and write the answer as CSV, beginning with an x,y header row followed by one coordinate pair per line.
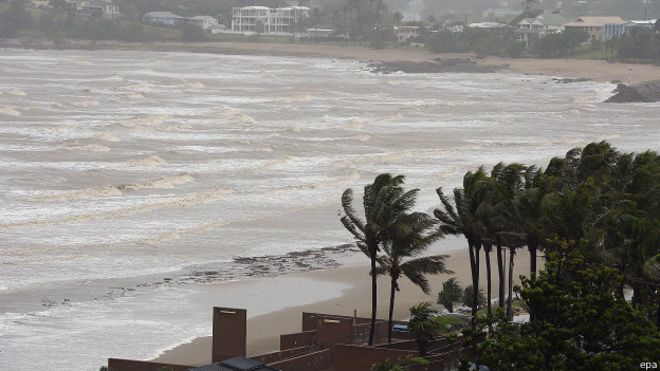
x,y
264,330
596,70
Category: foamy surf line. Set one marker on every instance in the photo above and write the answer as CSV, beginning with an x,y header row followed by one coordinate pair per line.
x,y
165,182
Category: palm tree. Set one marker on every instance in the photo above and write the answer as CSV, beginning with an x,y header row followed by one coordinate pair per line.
x,y
384,203
423,325
461,218
451,293
409,237
508,183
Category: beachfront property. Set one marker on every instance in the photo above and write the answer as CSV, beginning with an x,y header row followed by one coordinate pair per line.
x,y
594,26
99,8
404,34
167,19
324,342
204,22
544,24
612,31
261,19
93,8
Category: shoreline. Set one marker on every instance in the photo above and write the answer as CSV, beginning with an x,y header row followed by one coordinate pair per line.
x,y
264,330
596,70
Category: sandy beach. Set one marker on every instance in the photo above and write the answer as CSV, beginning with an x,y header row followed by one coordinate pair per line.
x,y
596,70
264,330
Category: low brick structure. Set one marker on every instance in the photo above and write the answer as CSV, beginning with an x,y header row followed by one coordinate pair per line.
x,y
326,343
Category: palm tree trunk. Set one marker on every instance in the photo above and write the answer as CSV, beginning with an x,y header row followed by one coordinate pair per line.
x,y
475,296
531,245
487,252
374,293
474,314
391,313
500,272
474,269
509,307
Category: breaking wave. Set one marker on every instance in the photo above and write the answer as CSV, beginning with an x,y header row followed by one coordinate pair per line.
x,y
152,160
86,103
237,116
16,93
88,147
167,182
187,200
9,111
195,85
106,137
170,182
146,120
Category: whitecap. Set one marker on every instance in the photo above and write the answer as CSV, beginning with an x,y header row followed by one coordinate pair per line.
x,y
9,111
16,93
106,137
86,103
152,160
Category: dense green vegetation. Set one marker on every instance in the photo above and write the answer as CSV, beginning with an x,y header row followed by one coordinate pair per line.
x,y
56,24
576,323
592,213
639,45
501,43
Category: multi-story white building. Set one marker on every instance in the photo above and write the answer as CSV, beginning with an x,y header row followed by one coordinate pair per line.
x,y
261,19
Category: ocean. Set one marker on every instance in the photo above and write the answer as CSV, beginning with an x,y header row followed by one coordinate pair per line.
x,y
131,183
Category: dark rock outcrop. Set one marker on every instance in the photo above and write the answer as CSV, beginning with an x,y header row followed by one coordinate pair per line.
x,y
438,65
645,92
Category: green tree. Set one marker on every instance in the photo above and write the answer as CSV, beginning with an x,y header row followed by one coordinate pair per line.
x,y
14,19
451,293
577,323
408,237
384,202
469,295
192,33
424,325
528,5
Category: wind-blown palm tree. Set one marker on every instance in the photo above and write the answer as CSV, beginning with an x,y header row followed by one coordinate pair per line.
x,y
461,219
409,237
424,325
384,203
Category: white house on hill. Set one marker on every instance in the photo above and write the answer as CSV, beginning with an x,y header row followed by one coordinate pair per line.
x,y
544,24
164,19
205,22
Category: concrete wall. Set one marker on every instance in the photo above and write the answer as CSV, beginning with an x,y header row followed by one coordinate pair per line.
x,y
229,333
359,358
301,339
331,331
281,355
317,361
115,364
